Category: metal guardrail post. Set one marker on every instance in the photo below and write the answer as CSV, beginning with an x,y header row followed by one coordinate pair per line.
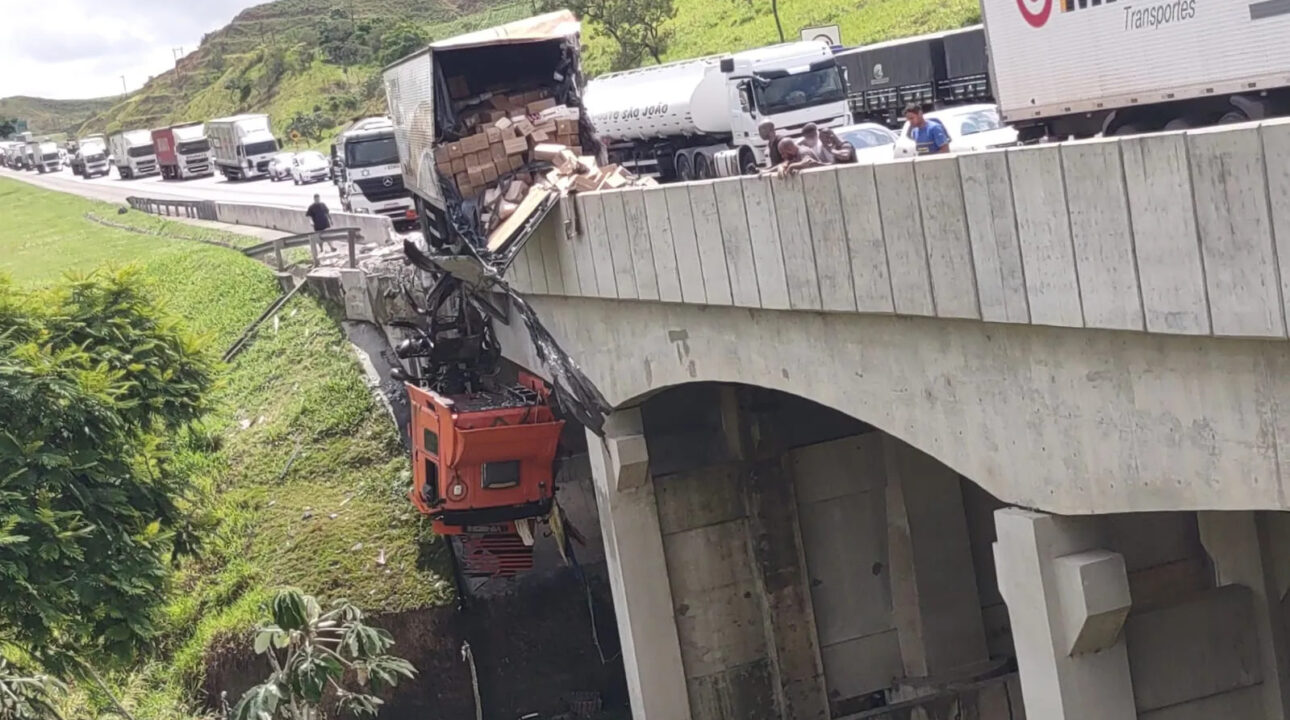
x,y
352,236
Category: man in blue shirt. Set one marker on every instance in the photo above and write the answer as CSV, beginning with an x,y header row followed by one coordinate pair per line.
x,y
929,136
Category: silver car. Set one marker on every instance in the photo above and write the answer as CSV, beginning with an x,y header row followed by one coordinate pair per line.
x,y
280,166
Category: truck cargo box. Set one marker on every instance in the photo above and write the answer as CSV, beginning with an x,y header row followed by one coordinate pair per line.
x,y
1055,58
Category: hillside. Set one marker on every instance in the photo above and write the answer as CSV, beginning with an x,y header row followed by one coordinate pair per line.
x,y
47,117
311,65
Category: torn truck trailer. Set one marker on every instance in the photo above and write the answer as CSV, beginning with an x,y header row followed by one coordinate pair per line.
x,y
468,113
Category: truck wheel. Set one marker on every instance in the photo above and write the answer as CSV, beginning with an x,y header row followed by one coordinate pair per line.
x,y
1231,117
748,161
684,172
702,167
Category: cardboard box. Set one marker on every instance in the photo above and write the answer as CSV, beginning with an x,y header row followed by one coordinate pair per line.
x,y
537,106
500,101
566,127
524,126
476,175
441,155
504,125
490,174
458,87
538,137
515,145
494,135
458,166
515,162
474,143
499,154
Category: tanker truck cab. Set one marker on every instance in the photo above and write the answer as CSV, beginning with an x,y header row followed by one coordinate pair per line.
x,y
698,119
133,153
370,177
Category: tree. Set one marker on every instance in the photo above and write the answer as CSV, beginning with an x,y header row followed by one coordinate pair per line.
x,y
25,696
638,26
401,40
312,125
8,128
313,654
93,377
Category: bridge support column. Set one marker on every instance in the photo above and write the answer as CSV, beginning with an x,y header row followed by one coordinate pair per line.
x,y
936,606
1237,543
637,569
1067,601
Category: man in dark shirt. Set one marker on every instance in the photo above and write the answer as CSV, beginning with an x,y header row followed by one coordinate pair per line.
x,y
772,137
320,216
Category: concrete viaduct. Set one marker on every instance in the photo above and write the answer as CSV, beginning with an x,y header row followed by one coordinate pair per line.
x,y
985,436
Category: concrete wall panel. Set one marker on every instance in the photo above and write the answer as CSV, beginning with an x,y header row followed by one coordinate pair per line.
x,y
638,239
712,254
1102,234
696,499
584,258
1170,272
860,210
829,239
763,228
685,243
795,241
992,226
660,235
902,225
520,272
1043,226
949,249
620,245
737,243
1276,154
863,665
1236,232
597,235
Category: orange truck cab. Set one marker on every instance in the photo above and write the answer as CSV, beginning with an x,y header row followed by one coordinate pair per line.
x,y
482,461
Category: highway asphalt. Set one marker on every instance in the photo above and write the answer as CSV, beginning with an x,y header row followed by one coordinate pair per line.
x,y
113,189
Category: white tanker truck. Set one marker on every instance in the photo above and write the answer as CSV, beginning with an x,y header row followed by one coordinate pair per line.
x,y
698,118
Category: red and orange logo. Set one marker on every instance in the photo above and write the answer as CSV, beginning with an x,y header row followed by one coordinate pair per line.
x,y
1035,12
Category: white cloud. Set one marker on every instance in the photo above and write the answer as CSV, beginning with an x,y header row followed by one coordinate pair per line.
x,y
81,48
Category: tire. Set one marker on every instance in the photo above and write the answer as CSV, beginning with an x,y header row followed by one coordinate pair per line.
x,y
1231,117
702,167
296,180
684,172
1129,129
748,161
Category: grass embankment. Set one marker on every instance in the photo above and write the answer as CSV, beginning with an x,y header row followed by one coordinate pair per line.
x,y
324,525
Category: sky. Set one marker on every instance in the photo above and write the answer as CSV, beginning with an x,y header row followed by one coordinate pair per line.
x,y
81,48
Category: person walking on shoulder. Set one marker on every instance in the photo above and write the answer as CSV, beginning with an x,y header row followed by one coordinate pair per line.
x,y
320,216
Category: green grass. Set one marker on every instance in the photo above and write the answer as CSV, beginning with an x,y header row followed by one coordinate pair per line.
x,y
297,390
51,117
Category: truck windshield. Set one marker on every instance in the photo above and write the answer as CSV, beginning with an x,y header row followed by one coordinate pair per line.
x,y
50,156
141,151
195,146
367,153
793,92
263,147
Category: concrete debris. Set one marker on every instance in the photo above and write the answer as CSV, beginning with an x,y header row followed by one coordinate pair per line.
x,y
333,516
357,547
307,516
380,558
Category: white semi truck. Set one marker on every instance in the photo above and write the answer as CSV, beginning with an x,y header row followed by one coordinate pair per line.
x,y
133,154
43,156
91,158
1065,68
699,118
242,145
366,157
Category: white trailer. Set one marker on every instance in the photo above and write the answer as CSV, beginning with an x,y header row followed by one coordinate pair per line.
x,y
44,157
133,154
242,145
91,158
366,157
699,118
1081,67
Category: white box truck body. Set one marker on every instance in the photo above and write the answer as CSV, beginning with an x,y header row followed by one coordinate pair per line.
x,y
1079,67
698,118
44,156
133,154
242,145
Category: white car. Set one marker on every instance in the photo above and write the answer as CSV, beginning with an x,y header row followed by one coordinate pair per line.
x,y
310,166
970,127
280,166
873,142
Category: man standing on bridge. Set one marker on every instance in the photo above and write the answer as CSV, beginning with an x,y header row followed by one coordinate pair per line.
x,y
929,136
320,215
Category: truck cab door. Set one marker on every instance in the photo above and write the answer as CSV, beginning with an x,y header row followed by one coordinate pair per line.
x,y
743,112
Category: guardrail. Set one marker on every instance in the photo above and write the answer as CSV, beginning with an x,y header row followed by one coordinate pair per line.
x,y
199,209
350,236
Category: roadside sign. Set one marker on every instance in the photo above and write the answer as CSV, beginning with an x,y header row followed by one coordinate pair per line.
x,y
830,34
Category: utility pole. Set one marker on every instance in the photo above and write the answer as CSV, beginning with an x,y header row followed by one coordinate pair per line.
x,y
178,53
124,90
